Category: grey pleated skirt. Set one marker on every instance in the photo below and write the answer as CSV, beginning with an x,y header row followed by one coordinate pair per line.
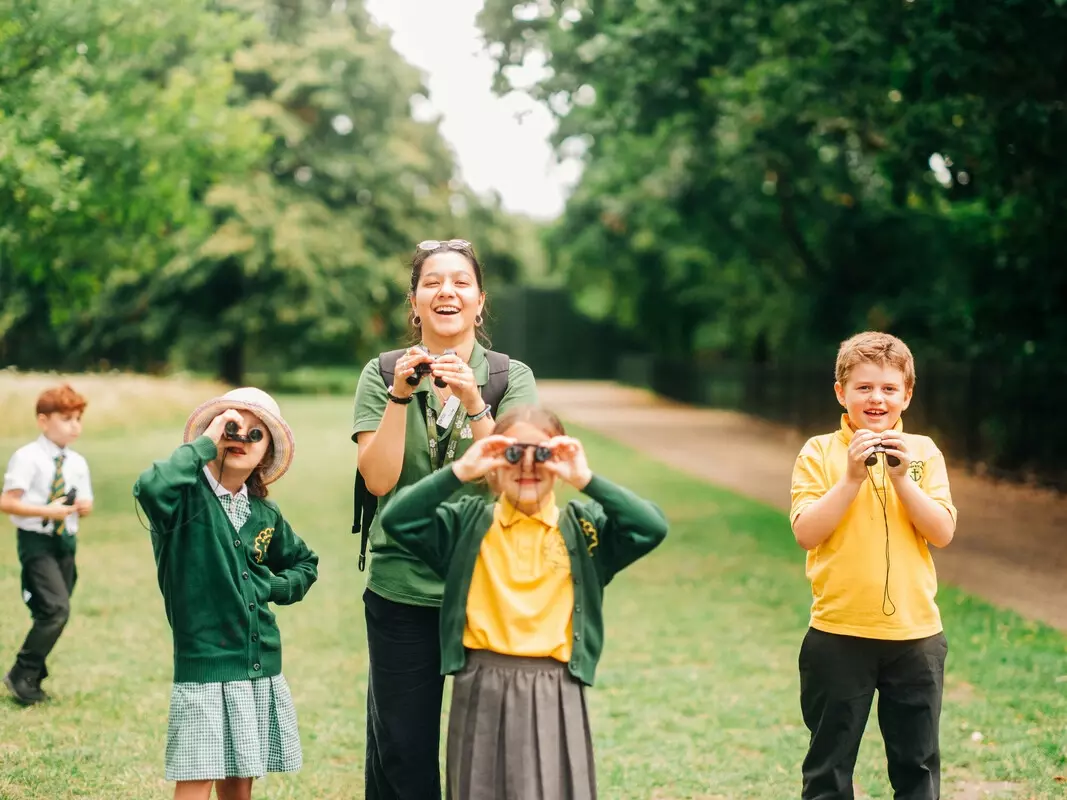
x,y
518,730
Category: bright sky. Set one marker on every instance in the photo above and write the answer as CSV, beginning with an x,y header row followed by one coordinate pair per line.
x,y
493,148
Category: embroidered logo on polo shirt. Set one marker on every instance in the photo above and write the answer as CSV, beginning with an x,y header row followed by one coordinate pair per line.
x,y
915,471
554,552
262,543
591,533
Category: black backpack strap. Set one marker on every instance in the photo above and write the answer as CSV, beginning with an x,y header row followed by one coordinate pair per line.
x,y
387,365
365,504
493,392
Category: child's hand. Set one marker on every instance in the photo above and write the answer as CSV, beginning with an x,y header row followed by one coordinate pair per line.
x,y
862,445
893,442
57,510
217,427
483,456
83,507
568,461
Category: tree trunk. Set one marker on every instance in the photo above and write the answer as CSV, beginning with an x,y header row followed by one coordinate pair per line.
x,y
232,363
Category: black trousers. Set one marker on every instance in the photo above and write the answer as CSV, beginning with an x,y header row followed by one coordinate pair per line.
x,y
838,679
48,578
403,701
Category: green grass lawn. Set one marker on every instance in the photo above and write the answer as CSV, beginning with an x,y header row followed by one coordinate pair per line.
x,y
696,695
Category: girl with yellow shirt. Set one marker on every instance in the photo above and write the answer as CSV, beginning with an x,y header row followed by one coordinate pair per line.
x,y
522,612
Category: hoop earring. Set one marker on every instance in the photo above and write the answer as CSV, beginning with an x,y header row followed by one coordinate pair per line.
x,y
478,320
416,320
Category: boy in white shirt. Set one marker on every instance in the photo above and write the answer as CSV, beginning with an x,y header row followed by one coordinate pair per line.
x,y
46,491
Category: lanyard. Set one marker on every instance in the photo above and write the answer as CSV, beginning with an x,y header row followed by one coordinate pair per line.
x,y
454,433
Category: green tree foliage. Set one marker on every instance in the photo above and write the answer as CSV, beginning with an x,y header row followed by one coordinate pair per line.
x,y
114,121
215,185
764,177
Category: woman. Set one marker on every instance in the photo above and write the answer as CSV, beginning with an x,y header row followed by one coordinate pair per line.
x,y
404,433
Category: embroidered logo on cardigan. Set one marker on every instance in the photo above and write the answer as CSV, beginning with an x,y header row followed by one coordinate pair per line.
x,y
262,543
590,531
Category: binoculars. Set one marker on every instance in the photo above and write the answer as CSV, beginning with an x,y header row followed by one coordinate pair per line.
x,y
514,453
253,435
423,369
872,459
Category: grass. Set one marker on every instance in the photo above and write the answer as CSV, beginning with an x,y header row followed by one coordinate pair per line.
x,y
119,403
696,696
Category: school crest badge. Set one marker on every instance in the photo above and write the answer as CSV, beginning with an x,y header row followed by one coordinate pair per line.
x,y
916,470
591,534
262,543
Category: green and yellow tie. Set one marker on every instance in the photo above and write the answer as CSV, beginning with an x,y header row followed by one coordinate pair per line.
x,y
59,489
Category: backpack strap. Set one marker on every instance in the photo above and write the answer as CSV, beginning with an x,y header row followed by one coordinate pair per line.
x,y
493,391
365,504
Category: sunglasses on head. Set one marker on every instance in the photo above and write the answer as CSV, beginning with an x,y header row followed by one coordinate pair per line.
x,y
514,453
254,435
454,244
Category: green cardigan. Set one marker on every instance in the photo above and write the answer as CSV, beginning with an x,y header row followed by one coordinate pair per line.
x,y
217,581
602,537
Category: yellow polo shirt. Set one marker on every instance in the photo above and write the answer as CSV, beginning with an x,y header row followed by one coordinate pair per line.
x,y
521,599
848,571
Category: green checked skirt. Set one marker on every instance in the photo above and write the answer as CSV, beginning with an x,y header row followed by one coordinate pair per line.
x,y
239,729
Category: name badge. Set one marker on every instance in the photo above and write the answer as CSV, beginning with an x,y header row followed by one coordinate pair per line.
x,y
448,413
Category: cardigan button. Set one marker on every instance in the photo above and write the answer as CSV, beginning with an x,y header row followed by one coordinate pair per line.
x,y
577,581
255,637
251,606
578,609
577,636
256,666
236,542
244,575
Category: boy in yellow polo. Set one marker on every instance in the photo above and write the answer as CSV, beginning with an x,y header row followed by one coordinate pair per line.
x,y
868,500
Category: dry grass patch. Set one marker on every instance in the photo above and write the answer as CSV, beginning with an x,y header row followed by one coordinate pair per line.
x,y
117,401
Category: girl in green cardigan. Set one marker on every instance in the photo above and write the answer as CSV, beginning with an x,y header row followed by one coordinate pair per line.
x,y
522,612
223,554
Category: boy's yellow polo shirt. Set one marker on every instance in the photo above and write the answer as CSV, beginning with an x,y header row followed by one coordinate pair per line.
x,y
521,598
848,571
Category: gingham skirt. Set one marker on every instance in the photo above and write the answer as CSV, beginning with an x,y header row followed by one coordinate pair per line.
x,y
239,729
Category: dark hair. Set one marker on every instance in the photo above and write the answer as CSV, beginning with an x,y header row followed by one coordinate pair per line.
x,y
534,415
255,484
61,400
422,256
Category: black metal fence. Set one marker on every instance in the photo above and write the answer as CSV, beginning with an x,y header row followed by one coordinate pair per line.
x,y
999,420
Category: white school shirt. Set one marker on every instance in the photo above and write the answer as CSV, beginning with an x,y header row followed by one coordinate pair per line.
x,y
33,468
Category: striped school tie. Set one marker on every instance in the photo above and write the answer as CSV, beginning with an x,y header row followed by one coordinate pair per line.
x,y
59,489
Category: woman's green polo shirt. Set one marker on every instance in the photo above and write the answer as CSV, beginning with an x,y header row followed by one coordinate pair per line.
x,y
393,572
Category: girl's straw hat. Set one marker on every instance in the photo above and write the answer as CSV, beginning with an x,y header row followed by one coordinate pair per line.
x,y
266,409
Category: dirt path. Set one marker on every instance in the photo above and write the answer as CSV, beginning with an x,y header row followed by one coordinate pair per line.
x,y
1010,546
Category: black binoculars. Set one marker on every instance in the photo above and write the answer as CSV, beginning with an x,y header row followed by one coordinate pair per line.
x,y
872,459
423,369
514,452
254,435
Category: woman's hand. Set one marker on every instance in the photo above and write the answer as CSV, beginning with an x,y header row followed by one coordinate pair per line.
x,y
405,368
568,462
459,377
482,457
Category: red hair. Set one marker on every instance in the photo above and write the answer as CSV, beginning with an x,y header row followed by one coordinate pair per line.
x,y
61,400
